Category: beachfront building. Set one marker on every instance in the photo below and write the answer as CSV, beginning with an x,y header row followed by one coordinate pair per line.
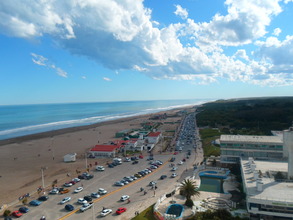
x,y
154,137
234,147
104,150
266,196
69,158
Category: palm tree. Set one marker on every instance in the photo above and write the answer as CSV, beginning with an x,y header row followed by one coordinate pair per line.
x,y
189,189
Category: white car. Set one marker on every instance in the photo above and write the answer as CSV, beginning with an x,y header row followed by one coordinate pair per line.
x,y
95,195
174,168
78,189
180,162
81,201
173,175
76,180
124,198
102,191
86,206
100,168
127,159
106,212
66,199
54,191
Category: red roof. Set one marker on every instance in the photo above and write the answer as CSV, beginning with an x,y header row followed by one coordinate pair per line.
x,y
108,148
154,134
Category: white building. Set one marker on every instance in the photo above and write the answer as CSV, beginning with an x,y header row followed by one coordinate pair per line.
x,y
154,137
69,158
104,150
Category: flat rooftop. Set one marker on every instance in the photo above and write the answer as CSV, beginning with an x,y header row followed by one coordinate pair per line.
x,y
251,139
272,190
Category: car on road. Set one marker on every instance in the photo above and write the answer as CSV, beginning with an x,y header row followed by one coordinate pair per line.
x,y
64,191
69,207
153,167
106,212
110,165
172,159
140,156
86,206
24,209
173,175
78,189
100,168
138,175
81,201
127,159
135,162
95,195
69,184
102,191
76,180
176,152
152,183
125,182
43,198
88,198
133,177
16,214
120,210
35,203
163,177
124,198
180,162
150,158
54,191
128,178
174,168
119,183
66,199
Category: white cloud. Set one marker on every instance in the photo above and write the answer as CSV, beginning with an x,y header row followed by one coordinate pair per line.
x,y
277,31
43,61
181,12
107,79
83,77
120,34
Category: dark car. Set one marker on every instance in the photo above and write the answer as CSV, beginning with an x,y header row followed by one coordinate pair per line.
x,y
172,159
43,198
134,158
24,209
110,166
81,177
69,207
163,177
89,176
88,198
7,218
135,162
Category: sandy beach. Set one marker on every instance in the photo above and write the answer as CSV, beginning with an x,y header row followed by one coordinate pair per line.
x,y
21,159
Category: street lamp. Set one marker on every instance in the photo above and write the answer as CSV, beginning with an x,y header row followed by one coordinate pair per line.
x,y
43,179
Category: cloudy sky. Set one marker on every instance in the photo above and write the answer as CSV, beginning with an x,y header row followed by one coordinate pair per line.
x,y
95,50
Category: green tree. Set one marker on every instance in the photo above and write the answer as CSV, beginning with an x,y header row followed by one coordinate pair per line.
x,y
189,189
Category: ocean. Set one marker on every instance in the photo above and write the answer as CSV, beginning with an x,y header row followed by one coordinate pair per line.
x,y
20,120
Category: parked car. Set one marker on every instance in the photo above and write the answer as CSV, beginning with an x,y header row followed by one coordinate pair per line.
x,y
120,210
119,183
24,209
124,198
64,191
138,175
66,199
152,183
16,214
86,206
100,168
88,198
69,207
135,162
174,168
163,177
102,191
106,212
172,159
110,165
35,203
180,162
140,156
54,191
43,198
95,195
81,201
76,180
173,175
127,159
67,184
125,182
78,189
133,177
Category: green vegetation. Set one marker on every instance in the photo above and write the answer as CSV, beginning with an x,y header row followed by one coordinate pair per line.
x,y
146,214
189,189
214,215
7,212
248,116
208,136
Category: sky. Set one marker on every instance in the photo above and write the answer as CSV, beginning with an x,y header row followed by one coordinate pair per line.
x,y
120,50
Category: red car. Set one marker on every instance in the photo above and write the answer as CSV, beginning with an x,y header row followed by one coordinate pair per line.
x,y
17,214
141,156
120,210
176,152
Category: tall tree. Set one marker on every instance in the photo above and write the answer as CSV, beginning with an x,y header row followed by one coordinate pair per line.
x,y
188,189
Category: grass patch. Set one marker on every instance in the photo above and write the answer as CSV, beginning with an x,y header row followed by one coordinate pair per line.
x,y
147,214
208,136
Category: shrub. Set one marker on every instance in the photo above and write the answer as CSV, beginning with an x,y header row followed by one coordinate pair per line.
x,y
189,203
7,212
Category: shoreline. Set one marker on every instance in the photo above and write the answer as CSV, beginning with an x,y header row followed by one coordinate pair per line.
x,y
22,158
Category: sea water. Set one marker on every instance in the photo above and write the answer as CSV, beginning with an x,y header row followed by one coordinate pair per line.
x,y
20,120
